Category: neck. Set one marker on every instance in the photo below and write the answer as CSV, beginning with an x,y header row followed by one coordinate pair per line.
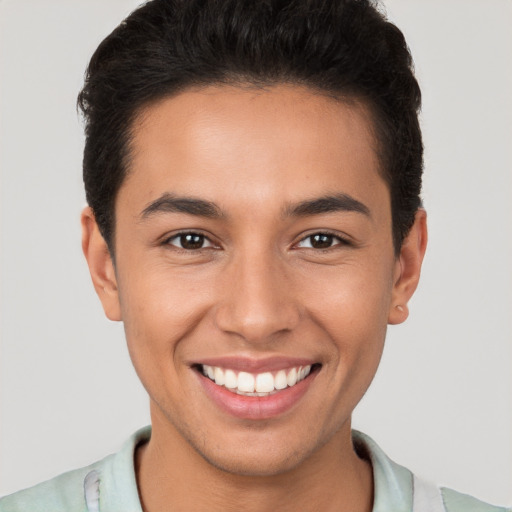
x,y
169,471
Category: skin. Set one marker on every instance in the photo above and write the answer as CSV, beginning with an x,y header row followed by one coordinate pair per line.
x,y
258,288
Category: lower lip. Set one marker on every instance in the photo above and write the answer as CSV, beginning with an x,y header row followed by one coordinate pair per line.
x,y
256,407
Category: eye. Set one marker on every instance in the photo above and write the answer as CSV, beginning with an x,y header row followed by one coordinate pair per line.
x,y
321,241
190,241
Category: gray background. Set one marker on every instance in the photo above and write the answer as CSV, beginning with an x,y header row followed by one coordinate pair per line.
x,y
441,402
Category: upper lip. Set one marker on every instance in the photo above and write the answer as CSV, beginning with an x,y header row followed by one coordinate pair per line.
x,y
255,365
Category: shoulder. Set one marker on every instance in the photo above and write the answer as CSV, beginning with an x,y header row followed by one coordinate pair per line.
x,y
457,502
398,489
64,493
112,479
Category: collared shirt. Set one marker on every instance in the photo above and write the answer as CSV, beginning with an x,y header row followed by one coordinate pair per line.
x,y
110,486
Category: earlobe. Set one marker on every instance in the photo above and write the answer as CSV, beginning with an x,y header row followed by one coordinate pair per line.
x,y
408,268
100,264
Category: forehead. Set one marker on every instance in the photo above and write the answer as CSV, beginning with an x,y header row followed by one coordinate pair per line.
x,y
279,143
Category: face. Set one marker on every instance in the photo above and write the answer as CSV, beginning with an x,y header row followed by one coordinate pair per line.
x,y
255,272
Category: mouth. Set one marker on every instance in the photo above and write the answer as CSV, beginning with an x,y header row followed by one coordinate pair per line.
x,y
256,393
257,384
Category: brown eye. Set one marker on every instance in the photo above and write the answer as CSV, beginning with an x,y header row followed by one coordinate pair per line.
x,y
321,241
190,241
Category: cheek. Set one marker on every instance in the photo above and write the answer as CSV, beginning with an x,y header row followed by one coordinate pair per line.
x,y
352,297
160,307
351,307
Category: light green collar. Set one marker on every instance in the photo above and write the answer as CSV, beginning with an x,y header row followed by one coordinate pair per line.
x,y
118,486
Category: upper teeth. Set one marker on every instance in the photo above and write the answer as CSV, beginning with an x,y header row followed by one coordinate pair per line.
x,y
256,384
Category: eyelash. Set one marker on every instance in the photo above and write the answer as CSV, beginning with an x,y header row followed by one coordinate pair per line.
x,y
334,237
182,234
341,241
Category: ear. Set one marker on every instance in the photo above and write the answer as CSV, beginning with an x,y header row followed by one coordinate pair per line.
x,y
100,264
408,268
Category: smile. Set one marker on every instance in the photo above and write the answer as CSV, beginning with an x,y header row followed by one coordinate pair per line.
x,y
256,389
259,384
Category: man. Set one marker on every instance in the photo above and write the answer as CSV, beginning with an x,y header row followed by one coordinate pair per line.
x,y
253,172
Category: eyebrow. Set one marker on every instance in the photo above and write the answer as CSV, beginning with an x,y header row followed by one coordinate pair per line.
x,y
169,203
327,204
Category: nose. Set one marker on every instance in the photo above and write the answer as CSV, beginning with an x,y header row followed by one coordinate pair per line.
x,y
258,300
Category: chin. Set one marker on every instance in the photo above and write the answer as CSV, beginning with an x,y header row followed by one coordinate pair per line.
x,y
261,452
257,464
